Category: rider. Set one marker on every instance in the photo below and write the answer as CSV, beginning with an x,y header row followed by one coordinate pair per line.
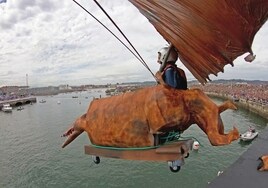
x,y
170,73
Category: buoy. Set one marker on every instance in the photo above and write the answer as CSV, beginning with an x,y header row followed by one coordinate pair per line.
x,y
195,145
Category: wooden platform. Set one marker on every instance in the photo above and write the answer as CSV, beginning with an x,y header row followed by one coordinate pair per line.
x,y
169,152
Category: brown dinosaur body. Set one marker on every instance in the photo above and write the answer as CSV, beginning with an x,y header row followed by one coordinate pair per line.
x,y
131,119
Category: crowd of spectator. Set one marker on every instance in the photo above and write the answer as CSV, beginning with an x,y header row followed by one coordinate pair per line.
x,y
256,93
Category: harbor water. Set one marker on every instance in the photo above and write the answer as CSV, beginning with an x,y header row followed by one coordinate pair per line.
x,y
31,155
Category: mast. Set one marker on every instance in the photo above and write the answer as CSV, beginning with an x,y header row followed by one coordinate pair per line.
x,y
27,81
27,86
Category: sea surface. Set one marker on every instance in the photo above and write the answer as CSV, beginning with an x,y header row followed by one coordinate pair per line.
x,y
31,155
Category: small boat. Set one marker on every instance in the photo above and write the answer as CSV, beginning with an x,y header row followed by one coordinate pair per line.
x,y
7,108
74,97
196,145
20,108
249,135
43,101
58,102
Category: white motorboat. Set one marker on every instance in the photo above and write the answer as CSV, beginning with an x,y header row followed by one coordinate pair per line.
x,y
196,145
249,135
7,108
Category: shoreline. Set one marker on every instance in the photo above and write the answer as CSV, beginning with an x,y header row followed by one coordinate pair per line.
x,y
251,106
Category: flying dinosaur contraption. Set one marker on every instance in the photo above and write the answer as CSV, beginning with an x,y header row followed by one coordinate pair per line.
x,y
138,125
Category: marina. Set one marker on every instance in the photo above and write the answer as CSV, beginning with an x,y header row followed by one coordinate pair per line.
x,y
33,155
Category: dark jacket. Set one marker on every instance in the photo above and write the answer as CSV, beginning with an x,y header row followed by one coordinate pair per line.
x,y
174,76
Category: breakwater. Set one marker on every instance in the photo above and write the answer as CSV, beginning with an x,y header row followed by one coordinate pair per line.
x,y
261,110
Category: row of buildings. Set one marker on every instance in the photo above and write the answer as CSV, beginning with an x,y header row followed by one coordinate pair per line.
x,y
14,92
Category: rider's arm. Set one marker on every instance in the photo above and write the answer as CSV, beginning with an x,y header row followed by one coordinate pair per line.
x,y
170,77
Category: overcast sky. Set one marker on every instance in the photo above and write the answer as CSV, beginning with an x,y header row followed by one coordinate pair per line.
x,y
56,42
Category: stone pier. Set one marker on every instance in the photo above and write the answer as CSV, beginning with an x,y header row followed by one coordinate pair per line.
x,y
18,101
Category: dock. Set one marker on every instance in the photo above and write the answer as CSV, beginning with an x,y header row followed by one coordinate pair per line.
x,y
243,172
18,101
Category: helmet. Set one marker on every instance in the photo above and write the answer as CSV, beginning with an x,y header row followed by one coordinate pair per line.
x,y
173,55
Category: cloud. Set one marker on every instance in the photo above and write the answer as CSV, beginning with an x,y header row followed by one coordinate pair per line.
x,y
56,42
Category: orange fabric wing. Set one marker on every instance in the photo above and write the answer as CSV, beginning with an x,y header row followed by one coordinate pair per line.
x,y
208,34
